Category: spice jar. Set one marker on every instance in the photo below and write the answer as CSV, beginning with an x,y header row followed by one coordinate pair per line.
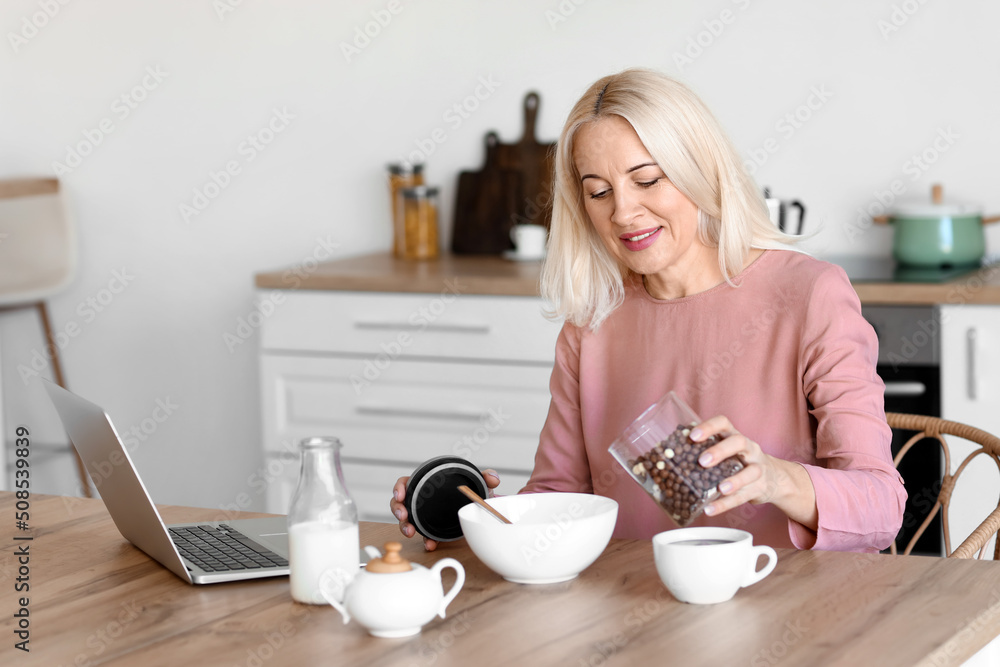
x,y
420,233
401,176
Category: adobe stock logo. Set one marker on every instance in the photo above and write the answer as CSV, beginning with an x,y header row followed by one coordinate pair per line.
x,y
88,310
31,27
250,148
122,107
381,18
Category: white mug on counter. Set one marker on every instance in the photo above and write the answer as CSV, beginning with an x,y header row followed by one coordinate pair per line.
x,y
529,241
707,565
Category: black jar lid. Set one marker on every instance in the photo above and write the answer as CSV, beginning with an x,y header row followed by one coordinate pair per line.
x,y
433,499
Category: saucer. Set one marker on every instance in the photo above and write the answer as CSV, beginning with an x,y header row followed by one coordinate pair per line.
x,y
515,256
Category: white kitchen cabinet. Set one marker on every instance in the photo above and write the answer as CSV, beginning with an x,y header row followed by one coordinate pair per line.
x,y
401,378
970,393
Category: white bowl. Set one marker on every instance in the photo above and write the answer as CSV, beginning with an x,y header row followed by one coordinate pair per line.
x,y
553,537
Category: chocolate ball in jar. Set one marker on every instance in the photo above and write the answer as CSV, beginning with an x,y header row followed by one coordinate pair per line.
x,y
671,474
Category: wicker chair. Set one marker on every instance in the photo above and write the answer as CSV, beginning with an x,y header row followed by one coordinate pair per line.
x,y
989,445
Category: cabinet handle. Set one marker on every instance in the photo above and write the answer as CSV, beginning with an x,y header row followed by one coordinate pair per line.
x,y
407,326
905,389
970,362
382,411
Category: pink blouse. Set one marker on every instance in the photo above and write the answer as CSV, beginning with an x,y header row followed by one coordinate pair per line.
x,y
785,354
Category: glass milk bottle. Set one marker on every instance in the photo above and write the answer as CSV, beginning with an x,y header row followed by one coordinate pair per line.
x,y
323,539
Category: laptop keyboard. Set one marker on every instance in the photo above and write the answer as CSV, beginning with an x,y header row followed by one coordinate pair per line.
x,y
222,549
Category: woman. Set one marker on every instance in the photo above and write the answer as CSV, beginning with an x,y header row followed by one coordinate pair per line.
x,y
670,276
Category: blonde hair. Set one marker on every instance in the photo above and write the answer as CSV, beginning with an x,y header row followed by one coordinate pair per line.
x,y
581,279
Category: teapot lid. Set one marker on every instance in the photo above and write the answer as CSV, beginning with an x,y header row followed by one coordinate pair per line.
x,y
390,562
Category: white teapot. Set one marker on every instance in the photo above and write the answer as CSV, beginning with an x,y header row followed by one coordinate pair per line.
x,y
393,597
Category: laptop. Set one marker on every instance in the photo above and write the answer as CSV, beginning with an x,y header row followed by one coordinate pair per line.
x,y
199,553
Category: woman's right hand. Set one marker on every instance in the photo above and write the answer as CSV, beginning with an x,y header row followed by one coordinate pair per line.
x,y
399,509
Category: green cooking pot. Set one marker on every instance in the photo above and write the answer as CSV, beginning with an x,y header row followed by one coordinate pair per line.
x,y
937,234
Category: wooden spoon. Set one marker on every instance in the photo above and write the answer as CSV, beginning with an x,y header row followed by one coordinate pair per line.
x,y
474,497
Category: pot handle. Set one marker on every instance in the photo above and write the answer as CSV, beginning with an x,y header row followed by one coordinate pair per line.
x,y
992,218
881,219
456,587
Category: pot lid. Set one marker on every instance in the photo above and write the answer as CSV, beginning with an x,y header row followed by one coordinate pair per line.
x,y
936,208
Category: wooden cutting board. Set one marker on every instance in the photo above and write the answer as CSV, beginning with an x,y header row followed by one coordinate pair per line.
x,y
486,205
535,161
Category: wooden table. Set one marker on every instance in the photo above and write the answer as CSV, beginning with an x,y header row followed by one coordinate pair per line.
x,y
95,599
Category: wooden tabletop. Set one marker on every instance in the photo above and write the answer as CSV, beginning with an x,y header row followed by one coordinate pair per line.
x,y
491,275
96,600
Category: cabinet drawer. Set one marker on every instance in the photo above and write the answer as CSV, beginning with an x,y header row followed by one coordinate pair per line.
x,y
388,326
490,414
370,485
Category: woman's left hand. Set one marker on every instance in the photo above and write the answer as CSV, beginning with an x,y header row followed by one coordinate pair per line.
x,y
764,478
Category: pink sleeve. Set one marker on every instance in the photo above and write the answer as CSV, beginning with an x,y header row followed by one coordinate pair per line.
x,y
859,494
561,459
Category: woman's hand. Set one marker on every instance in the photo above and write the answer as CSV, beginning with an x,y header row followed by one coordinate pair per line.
x,y
399,509
764,478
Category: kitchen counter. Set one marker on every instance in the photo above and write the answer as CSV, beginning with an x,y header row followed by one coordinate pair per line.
x,y
490,275
467,274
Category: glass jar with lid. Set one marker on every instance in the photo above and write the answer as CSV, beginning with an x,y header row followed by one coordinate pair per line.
x,y
401,176
420,222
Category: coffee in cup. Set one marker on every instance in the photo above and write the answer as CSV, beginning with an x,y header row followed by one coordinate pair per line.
x,y
707,565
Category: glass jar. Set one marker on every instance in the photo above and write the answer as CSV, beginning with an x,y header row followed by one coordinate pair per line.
x,y
323,537
401,176
657,452
420,224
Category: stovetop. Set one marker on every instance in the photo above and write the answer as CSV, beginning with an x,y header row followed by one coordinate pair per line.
x,y
865,269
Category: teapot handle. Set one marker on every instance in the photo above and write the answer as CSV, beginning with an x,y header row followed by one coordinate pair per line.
x,y
456,587
333,587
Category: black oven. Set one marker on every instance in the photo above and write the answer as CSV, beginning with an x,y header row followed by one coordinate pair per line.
x,y
909,363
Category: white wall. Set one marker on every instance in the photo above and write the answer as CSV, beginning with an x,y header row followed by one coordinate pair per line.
x,y
223,75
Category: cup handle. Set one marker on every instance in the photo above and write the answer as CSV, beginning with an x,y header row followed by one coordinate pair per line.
x,y
756,575
513,235
456,587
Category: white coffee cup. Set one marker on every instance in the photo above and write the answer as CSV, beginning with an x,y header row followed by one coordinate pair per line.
x,y
529,241
707,565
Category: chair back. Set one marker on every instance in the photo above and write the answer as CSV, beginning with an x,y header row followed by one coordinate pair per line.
x,y
37,241
934,429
